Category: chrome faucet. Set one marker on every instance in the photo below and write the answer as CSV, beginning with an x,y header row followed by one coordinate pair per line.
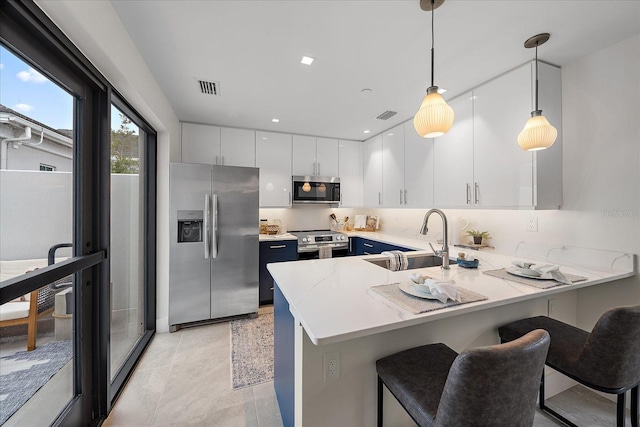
x,y
444,253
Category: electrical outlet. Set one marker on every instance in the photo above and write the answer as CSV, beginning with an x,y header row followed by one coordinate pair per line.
x,y
532,223
331,367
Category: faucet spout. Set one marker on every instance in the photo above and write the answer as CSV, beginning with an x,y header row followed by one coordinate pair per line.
x,y
444,253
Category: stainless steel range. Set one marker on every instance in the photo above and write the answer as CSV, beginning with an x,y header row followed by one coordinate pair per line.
x,y
310,242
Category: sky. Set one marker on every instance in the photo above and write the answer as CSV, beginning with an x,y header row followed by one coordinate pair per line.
x,y
25,90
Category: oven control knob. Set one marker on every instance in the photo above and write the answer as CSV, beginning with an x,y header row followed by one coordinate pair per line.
x,y
305,239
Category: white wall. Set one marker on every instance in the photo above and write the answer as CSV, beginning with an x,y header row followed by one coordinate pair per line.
x,y
97,31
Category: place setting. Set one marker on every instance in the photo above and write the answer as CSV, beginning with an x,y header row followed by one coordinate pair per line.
x,y
421,293
542,276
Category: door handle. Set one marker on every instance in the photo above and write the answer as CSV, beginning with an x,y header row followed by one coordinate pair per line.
x,y
214,240
475,192
207,212
468,194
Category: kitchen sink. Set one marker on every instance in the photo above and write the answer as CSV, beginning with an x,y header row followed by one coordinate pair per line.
x,y
416,261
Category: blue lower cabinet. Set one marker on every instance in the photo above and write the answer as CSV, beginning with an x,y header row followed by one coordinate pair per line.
x,y
362,246
284,357
273,251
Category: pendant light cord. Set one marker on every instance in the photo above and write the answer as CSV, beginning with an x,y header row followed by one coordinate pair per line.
x,y
536,107
432,41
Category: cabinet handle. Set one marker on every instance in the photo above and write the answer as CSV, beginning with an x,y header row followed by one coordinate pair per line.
x,y
379,198
216,160
401,196
367,245
318,168
405,196
222,160
277,246
314,168
350,248
468,194
289,197
340,199
475,192
271,289
366,253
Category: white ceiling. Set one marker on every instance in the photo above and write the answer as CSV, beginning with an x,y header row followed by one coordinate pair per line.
x,y
253,48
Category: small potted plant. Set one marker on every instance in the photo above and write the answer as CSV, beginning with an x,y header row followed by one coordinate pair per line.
x,y
478,236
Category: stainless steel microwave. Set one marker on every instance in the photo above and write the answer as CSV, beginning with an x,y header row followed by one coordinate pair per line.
x,y
316,189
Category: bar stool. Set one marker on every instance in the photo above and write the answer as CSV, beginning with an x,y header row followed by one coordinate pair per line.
x,y
494,385
607,359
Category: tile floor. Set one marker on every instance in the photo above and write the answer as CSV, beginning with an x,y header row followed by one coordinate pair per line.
x,y
184,379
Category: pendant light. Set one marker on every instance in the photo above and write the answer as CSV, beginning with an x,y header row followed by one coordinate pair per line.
x,y
306,187
538,133
435,116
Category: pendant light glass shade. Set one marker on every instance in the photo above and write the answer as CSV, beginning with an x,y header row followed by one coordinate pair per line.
x,y
306,187
435,116
537,134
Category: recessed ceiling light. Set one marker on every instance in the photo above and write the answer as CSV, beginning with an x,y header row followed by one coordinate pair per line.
x,y
366,131
275,120
307,60
441,90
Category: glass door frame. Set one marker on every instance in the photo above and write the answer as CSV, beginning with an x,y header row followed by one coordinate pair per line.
x,y
30,34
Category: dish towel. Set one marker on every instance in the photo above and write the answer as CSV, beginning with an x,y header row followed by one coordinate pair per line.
x,y
441,289
397,260
325,252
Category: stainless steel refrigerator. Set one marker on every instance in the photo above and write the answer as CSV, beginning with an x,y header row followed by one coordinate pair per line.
x,y
213,265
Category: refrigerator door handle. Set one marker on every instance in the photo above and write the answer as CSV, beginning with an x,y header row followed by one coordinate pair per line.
x,y
207,212
214,234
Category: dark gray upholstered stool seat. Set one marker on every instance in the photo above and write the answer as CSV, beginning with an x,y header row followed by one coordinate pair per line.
x,y
607,359
486,386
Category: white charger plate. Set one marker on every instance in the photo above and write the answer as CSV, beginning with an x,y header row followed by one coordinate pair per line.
x,y
518,272
408,288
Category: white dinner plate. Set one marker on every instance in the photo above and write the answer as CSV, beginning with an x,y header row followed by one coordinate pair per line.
x,y
408,288
518,272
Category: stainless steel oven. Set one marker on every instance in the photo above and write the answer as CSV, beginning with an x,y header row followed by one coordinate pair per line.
x,y
312,242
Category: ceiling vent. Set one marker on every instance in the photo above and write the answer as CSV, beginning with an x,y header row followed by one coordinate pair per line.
x,y
387,115
209,87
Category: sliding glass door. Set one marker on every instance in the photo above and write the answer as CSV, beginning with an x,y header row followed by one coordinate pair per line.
x,y
77,228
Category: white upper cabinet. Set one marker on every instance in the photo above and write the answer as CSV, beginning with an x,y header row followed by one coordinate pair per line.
x,y
238,147
304,155
273,157
479,163
393,167
453,158
418,169
327,157
502,170
372,172
315,156
200,143
213,145
350,173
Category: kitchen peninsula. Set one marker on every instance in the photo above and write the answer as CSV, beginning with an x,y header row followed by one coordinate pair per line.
x,y
326,310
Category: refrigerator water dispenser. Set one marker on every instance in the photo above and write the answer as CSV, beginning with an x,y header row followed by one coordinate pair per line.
x,y
190,226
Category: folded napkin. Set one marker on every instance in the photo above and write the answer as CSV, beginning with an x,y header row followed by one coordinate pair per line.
x,y
540,269
397,260
441,289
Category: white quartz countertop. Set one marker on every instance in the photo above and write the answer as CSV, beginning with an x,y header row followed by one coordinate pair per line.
x,y
276,237
332,300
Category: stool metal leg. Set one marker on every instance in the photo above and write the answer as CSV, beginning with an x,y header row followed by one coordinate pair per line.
x,y
380,402
634,406
550,411
620,411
